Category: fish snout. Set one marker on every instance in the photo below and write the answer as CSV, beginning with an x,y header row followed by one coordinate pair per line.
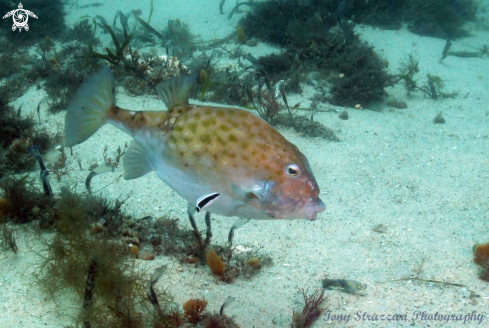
x,y
316,207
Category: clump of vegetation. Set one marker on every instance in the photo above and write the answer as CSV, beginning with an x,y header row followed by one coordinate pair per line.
x,y
8,240
25,202
383,14
16,134
311,311
112,57
432,88
439,119
96,266
313,34
278,66
83,32
193,308
180,35
91,255
439,18
408,68
13,75
64,72
307,127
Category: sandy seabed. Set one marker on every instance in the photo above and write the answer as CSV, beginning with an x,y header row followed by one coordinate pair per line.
x,y
427,183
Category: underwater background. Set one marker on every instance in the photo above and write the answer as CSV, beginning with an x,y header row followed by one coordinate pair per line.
x,y
388,100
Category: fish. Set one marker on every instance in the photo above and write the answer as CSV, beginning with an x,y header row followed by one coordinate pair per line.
x,y
200,150
349,286
206,201
228,301
150,292
44,174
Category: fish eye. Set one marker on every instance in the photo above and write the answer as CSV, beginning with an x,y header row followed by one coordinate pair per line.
x,y
292,170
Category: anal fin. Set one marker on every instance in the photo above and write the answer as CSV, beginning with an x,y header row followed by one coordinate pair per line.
x,y
136,162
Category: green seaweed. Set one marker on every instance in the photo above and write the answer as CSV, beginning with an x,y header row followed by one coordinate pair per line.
x,y
150,12
8,240
111,57
149,27
408,68
221,6
180,35
314,42
236,7
82,31
95,267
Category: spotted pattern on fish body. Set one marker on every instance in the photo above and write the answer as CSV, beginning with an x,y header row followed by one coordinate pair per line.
x,y
222,146
198,150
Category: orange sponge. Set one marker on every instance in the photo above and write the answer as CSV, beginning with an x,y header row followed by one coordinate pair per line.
x,y
481,254
215,263
241,35
193,308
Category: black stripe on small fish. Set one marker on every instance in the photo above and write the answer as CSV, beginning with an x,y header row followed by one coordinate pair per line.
x,y
205,201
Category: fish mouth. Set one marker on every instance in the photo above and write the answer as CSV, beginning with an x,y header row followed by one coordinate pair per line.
x,y
317,207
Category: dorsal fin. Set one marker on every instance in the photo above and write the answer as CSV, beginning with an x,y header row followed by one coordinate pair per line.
x,y
176,91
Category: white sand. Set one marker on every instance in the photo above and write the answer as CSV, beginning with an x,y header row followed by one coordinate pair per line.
x,y
428,183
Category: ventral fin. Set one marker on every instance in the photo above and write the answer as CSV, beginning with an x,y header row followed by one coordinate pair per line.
x,y
206,201
175,91
136,162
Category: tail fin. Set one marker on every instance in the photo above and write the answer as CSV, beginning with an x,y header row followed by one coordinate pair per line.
x,y
89,107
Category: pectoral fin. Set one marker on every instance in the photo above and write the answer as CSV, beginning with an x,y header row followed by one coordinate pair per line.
x,y
136,162
262,191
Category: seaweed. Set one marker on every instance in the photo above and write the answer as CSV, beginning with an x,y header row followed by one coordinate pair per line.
x,y
307,127
311,311
408,68
269,20
95,267
236,7
83,32
16,134
26,202
74,64
357,74
480,53
439,119
111,57
205,83
8,240
180,35
221,6
380,13
149,27
439,18
278,66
